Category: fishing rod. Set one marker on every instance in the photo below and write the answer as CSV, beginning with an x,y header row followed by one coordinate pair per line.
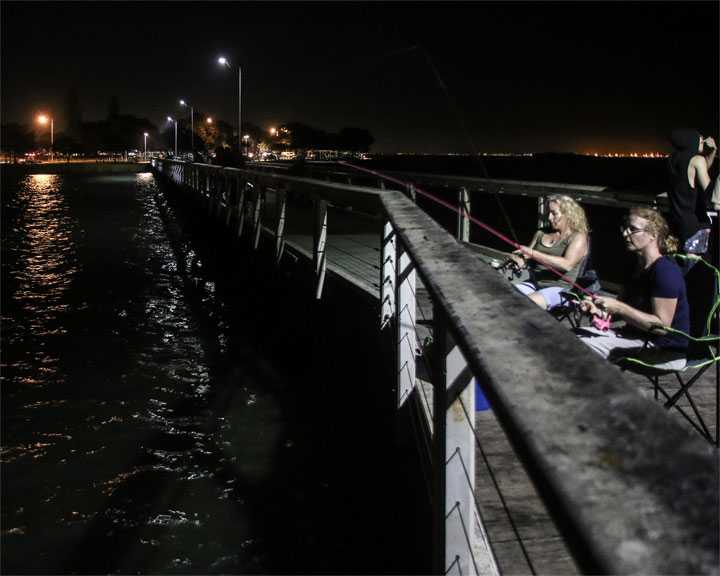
x,y
470,141
471,218
469,138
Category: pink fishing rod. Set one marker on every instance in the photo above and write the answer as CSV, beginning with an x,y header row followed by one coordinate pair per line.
x,y
471,219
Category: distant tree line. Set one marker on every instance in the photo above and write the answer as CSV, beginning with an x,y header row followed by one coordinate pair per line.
x,y
119,133
347,139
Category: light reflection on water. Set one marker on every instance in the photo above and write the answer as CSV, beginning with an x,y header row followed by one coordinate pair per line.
x,y
43,268
117,454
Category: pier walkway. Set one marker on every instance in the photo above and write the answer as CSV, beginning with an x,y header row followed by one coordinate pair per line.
x,y
574,469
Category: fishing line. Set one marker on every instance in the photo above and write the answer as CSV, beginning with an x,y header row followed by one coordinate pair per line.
x,y
471,218
469,138
453,105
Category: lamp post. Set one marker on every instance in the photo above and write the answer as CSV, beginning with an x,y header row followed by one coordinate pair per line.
x,y
44,120
224,62
145,135
175,121
192,125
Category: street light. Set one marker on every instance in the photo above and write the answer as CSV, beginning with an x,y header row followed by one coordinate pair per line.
x,y
145,135
224,62
43,120
175,121
192,125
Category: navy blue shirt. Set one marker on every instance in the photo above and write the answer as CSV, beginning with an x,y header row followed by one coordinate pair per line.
x,y
663,279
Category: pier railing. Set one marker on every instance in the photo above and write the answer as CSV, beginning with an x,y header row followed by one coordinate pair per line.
x,y
631,489
485,198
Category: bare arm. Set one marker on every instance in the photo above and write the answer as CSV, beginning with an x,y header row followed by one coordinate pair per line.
x,y
663,311
699,165
712,151
523,252
715,196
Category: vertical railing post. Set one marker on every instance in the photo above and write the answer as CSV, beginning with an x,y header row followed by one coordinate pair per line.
x,y
220,192
229,208
281,200
257,218
541,212
387,275
463,227
406,311
241,205
459,547
319,241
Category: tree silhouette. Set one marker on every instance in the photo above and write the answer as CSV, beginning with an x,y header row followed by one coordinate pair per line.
x,y
355,140
17,139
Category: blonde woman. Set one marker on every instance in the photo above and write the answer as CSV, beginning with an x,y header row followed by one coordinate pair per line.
x,y
654,294
563,247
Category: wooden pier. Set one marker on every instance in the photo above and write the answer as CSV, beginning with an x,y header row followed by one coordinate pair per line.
x,y
518,524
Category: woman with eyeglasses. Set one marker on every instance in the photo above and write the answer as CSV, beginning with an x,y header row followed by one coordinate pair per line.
x,y
654,294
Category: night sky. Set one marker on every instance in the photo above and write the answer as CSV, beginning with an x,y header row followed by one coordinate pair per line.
x,y
428,77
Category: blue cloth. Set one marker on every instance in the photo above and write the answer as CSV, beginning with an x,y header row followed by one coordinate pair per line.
x,y
481,402
663,279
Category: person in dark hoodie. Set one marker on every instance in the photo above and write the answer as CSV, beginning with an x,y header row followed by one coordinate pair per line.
x,y
688,188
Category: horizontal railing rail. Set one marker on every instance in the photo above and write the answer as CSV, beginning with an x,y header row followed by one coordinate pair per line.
x,y
630,488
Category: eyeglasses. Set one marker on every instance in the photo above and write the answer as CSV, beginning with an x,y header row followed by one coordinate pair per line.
x,y
630,230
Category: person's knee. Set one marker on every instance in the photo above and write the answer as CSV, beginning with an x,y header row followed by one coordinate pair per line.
x,y
538,299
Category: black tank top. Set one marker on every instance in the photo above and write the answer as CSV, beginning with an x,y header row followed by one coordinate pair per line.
x,y
688,212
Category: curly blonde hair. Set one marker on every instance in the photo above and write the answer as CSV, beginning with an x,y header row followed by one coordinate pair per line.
x,y
573,212
656,224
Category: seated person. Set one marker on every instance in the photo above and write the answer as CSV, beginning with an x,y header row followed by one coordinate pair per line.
x,y
563,247
655,293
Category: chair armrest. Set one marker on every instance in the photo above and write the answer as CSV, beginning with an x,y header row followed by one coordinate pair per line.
x,y
706,338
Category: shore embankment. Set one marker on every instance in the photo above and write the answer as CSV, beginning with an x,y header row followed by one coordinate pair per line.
x,y
76,167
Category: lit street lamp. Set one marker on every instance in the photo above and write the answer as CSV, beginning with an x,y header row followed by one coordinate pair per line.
x,y
43,120
145,135
224,62
175,121
192,125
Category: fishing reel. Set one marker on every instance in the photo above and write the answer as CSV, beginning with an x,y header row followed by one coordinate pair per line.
x,y
509,268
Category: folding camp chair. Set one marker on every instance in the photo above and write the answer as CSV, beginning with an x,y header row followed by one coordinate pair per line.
x,y
702,281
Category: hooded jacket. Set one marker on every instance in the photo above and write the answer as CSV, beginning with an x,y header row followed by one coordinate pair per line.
x,y
688,212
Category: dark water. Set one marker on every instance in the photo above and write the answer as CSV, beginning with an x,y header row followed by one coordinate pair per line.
x,y
164,410
637,174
